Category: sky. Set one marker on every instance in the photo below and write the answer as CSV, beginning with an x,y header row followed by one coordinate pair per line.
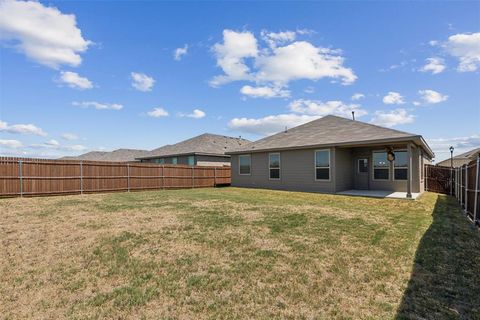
x,y
78,76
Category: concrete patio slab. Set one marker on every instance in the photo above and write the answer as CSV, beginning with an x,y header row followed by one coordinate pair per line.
x,y
379,194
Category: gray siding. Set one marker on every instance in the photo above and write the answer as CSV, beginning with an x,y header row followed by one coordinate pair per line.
x,y
298,171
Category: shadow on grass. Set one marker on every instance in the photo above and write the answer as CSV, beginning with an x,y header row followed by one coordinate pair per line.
x,y
445,280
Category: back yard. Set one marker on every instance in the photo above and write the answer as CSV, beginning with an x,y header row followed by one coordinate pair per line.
x,y
237,253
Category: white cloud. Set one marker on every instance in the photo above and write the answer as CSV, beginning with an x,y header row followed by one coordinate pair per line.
x,y
432,97
43,34
279,63
392,118
158,113
269,124
273,39
393,98
196,114
302,60
358,96
69,136
142,82
319,108
231,56
11,144
466,48
98,105
461,144
180,52
264,92
55,145
74,80
434,65
21,129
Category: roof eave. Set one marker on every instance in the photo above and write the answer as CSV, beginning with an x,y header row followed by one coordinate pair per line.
x,y
185,154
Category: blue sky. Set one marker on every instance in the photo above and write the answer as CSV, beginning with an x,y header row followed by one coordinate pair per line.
x,y
80,76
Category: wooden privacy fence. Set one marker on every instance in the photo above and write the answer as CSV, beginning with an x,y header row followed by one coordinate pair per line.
x,y
31,177
466,189
462,183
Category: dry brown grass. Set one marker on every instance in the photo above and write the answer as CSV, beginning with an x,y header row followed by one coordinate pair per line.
x,y
209,253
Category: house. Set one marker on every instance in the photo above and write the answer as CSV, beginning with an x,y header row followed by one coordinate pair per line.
x,y
203,150
334,155
461,159
119,155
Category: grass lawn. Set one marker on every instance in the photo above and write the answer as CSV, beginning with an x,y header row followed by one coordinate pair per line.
x,y
237,253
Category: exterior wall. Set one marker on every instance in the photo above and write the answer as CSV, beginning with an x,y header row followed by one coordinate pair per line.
x,y
297,171
200,160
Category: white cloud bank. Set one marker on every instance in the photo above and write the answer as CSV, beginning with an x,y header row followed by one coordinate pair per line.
x,y
142,82
431,96
283,60
11,144
21,129
98,105
393,98
357,96
158,113
302,111
461,144
69,136
74,80
434,65
392,118
42,33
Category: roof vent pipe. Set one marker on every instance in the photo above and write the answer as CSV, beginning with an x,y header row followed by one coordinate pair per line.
x,y
286,129
353,115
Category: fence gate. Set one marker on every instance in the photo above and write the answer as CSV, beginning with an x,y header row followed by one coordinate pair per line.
x,y
439,179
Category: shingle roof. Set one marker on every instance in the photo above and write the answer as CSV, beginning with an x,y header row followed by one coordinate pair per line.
x,y
120,155
211,144
329,130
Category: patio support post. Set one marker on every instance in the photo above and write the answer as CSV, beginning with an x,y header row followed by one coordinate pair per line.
x,y
409,170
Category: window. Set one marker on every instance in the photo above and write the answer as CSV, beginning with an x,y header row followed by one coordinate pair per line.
x,y
191,160
274,166
160,161
174,160
400,165
381,166
362,165
244,162
322,165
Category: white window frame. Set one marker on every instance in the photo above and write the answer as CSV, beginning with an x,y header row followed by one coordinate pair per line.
x,y
279,166
358,165
406,167
250,166
315,165
373,166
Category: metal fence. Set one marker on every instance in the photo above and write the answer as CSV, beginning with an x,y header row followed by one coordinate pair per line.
x,y
32,177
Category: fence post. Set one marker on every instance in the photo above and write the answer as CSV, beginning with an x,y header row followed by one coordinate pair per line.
x,y
163,177
477,177
193,177
20,173
214,176
81,177
128,177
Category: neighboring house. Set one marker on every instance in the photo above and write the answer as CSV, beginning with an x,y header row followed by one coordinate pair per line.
x,y
203,150
333,154
119,155
461,159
